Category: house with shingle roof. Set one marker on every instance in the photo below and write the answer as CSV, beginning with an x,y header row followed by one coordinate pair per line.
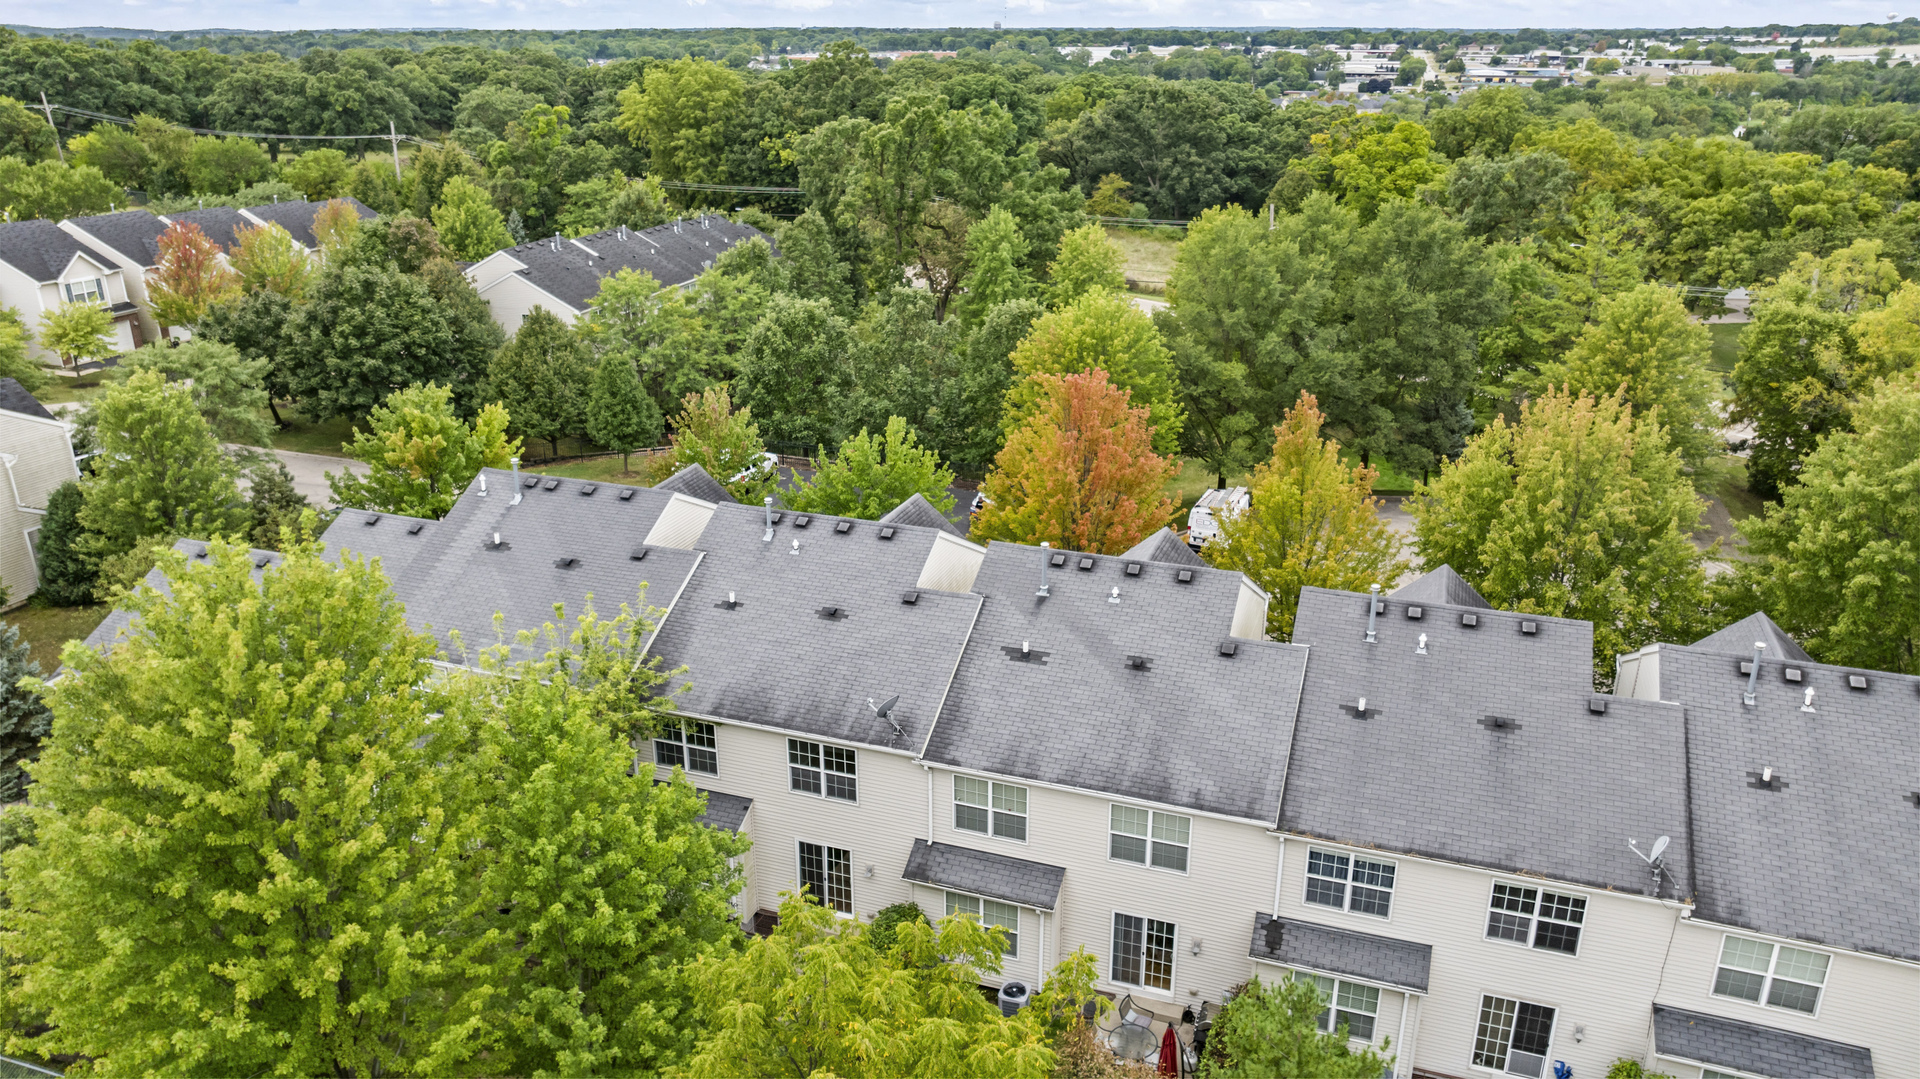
x,y
43,266
36,452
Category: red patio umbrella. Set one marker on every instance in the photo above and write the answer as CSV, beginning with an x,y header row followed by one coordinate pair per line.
x,y
1169,1054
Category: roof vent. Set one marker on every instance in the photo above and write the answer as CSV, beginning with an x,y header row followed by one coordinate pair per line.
x,y
1529,627
589,488
909,598
1139,663
552,485
1184,576
1133,569
1361,711
626,495
841,528
1373,608
1597,705
1470,620
1766,779
568,562
1752,671
1807,704
1085,564
414,528
731,603
638,554
1415,613
1045,561
1228,648
833,614
1793,674
498,544
260,561
1026,653
1498,723
886,532
530,481
201,553
1857,681
372,519
803,520
1422,650
1115,597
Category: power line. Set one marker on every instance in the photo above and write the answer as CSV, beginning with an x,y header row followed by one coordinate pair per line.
x,y
684,186
126,122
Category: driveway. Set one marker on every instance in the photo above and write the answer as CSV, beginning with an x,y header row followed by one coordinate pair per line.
x,y
310,472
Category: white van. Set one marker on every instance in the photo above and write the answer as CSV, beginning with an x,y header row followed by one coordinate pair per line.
x,y
1214,507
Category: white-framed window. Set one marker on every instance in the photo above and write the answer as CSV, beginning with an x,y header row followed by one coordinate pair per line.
x,y
1149,837
989,912
1143,951
827,873
689,744
1774,974
88,290
990,808
824,770
1349,882
1526,915
1513,1037
1357,1006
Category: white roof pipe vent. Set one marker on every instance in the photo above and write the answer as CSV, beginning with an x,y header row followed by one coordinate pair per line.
x,y
1753,674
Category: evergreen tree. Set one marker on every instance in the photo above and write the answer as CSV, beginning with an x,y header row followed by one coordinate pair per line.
x,y
159,472
1581,510
1105,331
996,257
1645,346
468,223
620,415
419,455
1087,261
542,377
24,717
67,571
1079,472
796,372
1314,521
1835,558
711,433
815,270
273,505
871,474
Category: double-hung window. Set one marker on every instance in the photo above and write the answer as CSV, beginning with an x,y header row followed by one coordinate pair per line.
x,y
1149,837
1352,1006
1143,951
690,745
1348,882
990,913
1783,977
990,808
90,290
1513,1037
813,768
827,874
1548,920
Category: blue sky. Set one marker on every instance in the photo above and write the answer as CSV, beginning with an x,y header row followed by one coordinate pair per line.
x,y
592,14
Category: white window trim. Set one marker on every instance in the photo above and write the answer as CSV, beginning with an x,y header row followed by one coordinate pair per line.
x,y
953,800
1333,1005
1019,909
1766,987
690,773
820,899
1173,977
786,767
1533,920
1148,864
1393,905
1546,1070
1383,986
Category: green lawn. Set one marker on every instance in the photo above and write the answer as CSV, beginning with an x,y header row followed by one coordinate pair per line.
x,y
602,468
47,629
304,436
1147,254
60,390
1726,345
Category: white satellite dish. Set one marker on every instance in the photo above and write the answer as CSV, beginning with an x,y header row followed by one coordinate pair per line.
x,y
1660,846
1652,856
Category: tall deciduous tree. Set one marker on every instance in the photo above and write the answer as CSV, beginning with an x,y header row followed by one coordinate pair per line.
x,y
871,474
543,376
160,471
1087,261
257,325
227,388
15,363
912,1010
468,223
1645,347
796,372
1273,1032
996,270
420,456
319,174
1835,558
1314,521
366,331
78,331
290,879
335,226
679,113
1581,510
268,258
1080,472
1102,330
620,415
188,277
815,270
723,440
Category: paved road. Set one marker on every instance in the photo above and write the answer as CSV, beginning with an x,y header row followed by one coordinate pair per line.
x,y
310,472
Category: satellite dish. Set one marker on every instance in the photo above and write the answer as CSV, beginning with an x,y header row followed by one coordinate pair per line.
x,y
1660,846
885,708
1651,856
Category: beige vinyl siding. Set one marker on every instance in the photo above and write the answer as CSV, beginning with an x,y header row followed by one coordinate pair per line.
x,y
42,461
1027,967
1395,1006
512,297
133,277
1866,1001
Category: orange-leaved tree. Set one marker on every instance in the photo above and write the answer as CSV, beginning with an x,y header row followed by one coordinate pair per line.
x,y
1079,472
188,277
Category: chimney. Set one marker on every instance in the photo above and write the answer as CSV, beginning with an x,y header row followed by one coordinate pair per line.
x,y
1753,673
1373,607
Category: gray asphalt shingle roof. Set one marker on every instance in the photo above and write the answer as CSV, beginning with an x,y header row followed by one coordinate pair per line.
x,y
1751,1048
1164,546
120,620
979,872
297,217
1329,950
1441,586
41,249
1846,773
133,233
694,482
15,398
916,510
728,811
1546,789
1194,728
1738,639
221,224
674,254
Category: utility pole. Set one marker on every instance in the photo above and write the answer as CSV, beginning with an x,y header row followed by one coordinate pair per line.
x,y
394,135
56,131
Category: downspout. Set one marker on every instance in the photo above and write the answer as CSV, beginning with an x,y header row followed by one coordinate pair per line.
x,y
1400,1042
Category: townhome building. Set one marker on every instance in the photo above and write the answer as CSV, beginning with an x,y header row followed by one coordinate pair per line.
x,y
1420,804
563,275
36,450
42,267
